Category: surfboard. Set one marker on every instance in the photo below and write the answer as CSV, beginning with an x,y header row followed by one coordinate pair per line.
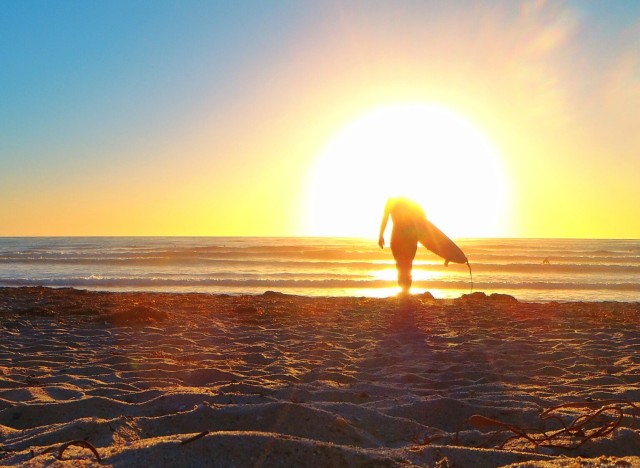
x,y
437,242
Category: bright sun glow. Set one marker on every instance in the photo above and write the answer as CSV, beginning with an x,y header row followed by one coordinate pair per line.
x,y
426,152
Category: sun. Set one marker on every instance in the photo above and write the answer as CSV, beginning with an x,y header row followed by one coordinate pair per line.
x,y
427,152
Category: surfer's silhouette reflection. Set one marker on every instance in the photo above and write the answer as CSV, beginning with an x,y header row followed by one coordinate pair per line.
x,y
406,216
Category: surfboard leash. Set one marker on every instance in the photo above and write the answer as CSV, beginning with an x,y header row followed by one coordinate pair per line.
x,y
470,276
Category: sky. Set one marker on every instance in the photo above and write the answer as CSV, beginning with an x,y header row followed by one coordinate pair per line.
x,y
211,118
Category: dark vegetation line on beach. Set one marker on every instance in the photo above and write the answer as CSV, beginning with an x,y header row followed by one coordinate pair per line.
x,y
41,300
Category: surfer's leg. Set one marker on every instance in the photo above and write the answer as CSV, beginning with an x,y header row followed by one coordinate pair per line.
x,y
404,275
404,253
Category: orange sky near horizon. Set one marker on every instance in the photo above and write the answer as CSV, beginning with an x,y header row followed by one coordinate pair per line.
x,y
232,151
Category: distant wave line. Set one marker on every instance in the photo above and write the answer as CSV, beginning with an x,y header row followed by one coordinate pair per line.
x,y
426,263
317,255
297,251
308,283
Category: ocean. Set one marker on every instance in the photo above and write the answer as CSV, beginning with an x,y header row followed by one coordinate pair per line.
x,y
577,269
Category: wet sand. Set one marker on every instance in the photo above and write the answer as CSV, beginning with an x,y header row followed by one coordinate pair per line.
x,y
154,379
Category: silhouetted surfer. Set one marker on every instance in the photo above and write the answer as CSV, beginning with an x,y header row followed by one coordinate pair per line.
x,y
407,217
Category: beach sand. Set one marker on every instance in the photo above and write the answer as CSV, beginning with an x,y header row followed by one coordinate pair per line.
x,y
155,379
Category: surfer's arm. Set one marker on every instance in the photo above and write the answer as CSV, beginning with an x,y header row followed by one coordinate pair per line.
x,y
383,226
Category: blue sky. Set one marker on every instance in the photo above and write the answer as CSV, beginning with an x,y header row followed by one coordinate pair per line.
x,y
90,87
100,70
